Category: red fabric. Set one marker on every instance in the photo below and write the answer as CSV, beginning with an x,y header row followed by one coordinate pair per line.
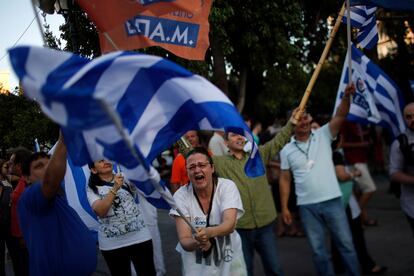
x,y
353,133
17,193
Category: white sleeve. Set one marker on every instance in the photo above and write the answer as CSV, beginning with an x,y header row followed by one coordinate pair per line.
x,y
92,197
284,162
230,197
181,200
326,131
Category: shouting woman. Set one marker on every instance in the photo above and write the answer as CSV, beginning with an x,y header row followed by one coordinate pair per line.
x,y
212,205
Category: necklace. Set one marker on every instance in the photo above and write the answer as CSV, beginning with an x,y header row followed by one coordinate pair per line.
x,y
309,163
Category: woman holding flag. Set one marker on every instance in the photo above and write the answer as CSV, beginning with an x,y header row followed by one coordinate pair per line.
x,y
123,235
213,206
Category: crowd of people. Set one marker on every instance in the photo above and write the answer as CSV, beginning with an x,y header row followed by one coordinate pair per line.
x,y
317,179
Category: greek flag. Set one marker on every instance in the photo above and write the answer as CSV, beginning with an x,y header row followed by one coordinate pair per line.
x,y
403,5
125,100
364,19
377,100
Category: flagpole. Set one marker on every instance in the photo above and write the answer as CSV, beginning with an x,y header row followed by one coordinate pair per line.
x,y
319,65
348,35
38,23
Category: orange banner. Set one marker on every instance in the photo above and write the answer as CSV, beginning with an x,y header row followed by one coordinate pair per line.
x,y
108,14
183,33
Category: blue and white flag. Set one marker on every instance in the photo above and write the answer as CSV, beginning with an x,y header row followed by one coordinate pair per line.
x,y
403,5
364,19
377,99
155,101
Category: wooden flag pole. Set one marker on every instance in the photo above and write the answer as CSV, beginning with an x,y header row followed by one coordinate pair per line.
x,y
320,63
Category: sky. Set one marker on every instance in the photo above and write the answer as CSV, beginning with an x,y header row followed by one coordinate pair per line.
x,y
15,17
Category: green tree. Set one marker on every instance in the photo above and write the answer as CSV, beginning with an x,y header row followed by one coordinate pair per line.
x,y
21,121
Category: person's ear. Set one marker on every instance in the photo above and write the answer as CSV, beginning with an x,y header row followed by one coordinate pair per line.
x,y
94,170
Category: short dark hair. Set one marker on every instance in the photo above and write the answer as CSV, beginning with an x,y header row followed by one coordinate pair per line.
x,y
35,156
21,155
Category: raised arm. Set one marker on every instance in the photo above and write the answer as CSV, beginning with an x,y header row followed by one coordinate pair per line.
x,y
271,148
340,116
55,171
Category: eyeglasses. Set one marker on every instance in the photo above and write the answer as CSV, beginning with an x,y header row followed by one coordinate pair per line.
x,y
200,165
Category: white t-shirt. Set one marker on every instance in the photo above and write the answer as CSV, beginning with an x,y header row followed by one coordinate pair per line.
x,y
217,145
312,167
228,258
124,223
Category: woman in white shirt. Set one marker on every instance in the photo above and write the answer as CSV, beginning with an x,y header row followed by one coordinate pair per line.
x,y
123,235
213,206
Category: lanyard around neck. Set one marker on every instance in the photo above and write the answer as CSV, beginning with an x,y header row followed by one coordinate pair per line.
x,y
209,207
306,153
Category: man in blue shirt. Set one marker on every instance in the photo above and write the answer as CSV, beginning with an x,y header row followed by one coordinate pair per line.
x,y
57,240
309,158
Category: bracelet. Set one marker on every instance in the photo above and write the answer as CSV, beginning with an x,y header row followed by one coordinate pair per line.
x,y
112,192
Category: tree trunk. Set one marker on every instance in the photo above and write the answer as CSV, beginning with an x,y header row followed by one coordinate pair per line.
x,y
219,66
242,89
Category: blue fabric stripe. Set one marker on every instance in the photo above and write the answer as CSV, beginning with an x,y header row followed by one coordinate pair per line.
x,y
143,87
18,58
392,115
81,182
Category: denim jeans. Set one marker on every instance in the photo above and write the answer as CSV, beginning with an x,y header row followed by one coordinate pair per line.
x,y
262,240
330,214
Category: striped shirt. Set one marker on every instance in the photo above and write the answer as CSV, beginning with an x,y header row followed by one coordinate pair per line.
x,y
255,192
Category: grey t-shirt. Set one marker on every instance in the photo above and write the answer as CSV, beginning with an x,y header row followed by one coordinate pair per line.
x,y
397,164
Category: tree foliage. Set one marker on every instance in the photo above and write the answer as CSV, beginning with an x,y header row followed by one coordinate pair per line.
x,y
21,121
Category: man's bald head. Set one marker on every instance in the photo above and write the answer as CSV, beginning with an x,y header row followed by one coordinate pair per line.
x,y
409,115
